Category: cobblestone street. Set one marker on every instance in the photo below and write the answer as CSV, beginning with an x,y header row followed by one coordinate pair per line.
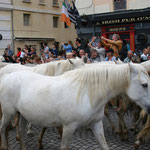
x,y
82,140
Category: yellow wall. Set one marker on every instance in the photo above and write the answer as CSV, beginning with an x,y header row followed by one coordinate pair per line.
x,y
41,23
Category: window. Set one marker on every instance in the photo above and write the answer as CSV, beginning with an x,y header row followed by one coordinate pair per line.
x,y
42,2
65,25
55,22
26,19
55,2
120,5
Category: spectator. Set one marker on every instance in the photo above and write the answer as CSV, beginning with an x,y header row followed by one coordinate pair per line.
x,y
144,56
6,56
82,53
110,55
100,49
67,47
10,53
18,52
46,50
54,50
69,55
79,46
22,55
32,53
94,56
115,44
124,51
129,57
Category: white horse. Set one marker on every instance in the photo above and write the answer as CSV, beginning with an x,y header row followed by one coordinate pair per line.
x,y
74,99
48,69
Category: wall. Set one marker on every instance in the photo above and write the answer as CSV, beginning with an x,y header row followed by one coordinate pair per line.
x,y
41,23
5,24
102,6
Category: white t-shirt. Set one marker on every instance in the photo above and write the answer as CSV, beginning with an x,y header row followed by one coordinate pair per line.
x,y
22,54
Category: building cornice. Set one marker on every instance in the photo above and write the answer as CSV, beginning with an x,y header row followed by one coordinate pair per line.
x,y
33,10
6,6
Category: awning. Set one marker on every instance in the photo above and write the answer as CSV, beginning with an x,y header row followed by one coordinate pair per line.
x,y
33,39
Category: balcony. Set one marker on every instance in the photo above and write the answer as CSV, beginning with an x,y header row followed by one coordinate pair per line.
x,y
26,1
42,2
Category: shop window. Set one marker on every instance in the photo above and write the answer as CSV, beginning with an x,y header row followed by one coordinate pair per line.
x,y
55,22
120,5
26,19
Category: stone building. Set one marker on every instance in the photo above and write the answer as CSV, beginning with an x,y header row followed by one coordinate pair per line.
x,y
33,22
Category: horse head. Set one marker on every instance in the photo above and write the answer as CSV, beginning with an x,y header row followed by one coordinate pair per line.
x,y
139,87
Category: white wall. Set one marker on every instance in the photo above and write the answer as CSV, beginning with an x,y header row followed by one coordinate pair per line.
x,y
103,6
5,24
138,4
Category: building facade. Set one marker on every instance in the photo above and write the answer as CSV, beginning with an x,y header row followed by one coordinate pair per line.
x,y
38,21
5,24
128,18
33,22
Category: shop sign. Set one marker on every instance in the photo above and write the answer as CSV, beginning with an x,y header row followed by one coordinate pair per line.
x,y
117,29
126,20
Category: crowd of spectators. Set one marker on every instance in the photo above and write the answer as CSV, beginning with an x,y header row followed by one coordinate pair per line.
x,y
94,51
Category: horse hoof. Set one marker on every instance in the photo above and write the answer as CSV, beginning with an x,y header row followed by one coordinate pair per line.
x,y
40,147
136,144
30,134
17,138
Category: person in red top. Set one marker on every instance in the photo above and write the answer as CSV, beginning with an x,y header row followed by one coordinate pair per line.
x,y
18,52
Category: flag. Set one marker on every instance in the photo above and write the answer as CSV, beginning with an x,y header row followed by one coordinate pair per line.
x,y
73,13
64,15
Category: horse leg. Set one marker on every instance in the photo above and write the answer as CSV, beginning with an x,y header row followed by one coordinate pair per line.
x,y
122,126
60,131
22,131
40,145
17,125
29,130
109,118
144,134
98,131
67,135
4,124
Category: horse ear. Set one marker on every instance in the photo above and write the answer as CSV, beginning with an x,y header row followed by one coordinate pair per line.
x,y
115,62
70,61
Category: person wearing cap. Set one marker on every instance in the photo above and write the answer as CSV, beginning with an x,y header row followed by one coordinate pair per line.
x,y
115,44
110,55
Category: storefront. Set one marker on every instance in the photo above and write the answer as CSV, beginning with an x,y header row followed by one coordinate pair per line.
x,y
133,26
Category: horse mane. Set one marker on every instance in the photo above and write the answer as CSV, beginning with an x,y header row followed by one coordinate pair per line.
x,y
100,79
52,68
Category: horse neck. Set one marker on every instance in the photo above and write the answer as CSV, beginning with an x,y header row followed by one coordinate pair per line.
x,y
104,84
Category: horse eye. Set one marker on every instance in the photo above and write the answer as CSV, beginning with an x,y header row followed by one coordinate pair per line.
x,y
145,85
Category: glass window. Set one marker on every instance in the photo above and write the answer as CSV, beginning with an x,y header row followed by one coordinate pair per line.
x,y
26,19
55,22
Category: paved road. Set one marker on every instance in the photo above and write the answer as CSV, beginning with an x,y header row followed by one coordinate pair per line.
x,y
82,140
